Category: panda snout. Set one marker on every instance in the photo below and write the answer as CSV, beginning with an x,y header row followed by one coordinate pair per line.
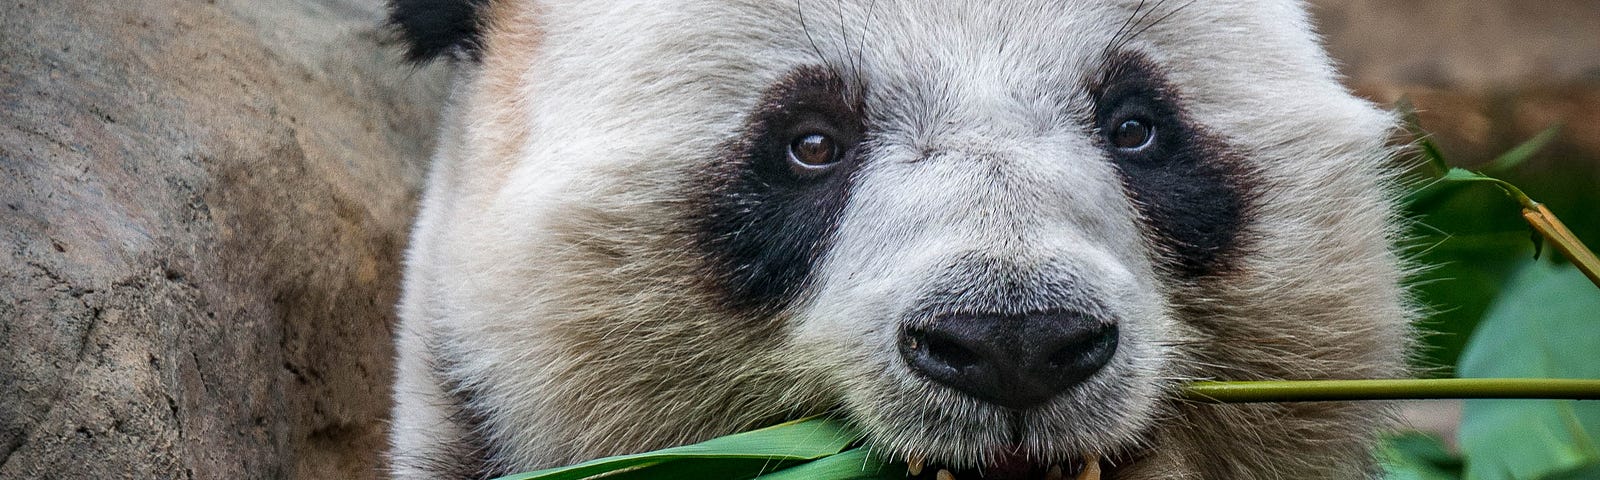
x,y
1014,361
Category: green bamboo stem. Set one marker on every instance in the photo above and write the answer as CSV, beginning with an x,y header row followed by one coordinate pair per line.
x,y
1405,389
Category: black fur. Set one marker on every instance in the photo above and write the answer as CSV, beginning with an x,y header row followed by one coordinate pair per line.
x,y
433,28
468,456
1190,188
764,227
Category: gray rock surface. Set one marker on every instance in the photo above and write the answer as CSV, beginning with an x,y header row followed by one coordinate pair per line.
x,y
202,210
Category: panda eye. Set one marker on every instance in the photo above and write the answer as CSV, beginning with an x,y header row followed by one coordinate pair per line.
x,y
812,154
1133,135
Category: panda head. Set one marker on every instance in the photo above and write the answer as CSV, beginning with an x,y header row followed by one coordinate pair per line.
x,y
996,235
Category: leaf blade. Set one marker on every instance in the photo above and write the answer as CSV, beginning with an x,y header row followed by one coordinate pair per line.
x,y
800,440
1540,326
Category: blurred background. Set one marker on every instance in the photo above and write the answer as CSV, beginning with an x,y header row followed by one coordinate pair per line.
x,y
1484,77
205,203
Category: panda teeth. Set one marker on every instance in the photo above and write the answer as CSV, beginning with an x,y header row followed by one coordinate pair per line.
x,y
944,475
1091,467
914,465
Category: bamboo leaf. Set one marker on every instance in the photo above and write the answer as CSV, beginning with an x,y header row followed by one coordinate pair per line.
x,y
1418,456
856,464
1455,177
800,440
1542,325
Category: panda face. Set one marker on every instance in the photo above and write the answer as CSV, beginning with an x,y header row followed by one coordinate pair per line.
x,y
979,235
995,235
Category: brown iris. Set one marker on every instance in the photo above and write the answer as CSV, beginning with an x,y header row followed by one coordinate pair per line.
x,y
1133,134
813,153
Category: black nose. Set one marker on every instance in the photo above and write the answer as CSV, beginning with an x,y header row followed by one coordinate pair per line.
x,y
1015,361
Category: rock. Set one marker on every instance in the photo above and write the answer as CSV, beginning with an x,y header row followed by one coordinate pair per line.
x,y
202,209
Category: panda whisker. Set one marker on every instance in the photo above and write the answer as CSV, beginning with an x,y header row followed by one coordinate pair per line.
x,y
1158,21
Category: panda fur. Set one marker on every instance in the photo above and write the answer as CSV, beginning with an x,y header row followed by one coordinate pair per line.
x,y
619,250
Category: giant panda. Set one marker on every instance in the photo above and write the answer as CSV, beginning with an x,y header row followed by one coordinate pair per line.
x,y
994,236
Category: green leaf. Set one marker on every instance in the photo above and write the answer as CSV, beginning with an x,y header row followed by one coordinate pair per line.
x,y
1457,176
1541,325
703,468
800,440
1418,456
1590,473
856,464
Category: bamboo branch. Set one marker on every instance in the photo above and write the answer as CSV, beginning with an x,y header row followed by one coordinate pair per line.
x,y
1404,389
1568,244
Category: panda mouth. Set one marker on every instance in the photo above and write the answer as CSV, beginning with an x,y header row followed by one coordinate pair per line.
x,y
1014,466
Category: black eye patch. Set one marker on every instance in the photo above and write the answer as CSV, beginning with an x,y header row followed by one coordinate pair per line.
x,y
772,209
1189,186
432,28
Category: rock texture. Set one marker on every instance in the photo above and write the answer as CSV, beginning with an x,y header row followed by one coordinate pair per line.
x,y
202,209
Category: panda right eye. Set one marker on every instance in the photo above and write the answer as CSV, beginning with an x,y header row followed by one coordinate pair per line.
x,y
1133,135
807,131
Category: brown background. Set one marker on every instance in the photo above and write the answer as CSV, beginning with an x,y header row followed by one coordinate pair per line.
x,y
203,204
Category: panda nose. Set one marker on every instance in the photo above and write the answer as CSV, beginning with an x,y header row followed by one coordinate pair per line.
x,y
1015,361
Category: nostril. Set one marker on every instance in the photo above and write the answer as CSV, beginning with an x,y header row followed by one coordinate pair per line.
x,y
1088,349
1064,358
943,355
950,352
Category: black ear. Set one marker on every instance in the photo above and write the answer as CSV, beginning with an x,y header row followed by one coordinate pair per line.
x,y
435,27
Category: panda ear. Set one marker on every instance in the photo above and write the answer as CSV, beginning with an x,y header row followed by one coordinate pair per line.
x,y
432,28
